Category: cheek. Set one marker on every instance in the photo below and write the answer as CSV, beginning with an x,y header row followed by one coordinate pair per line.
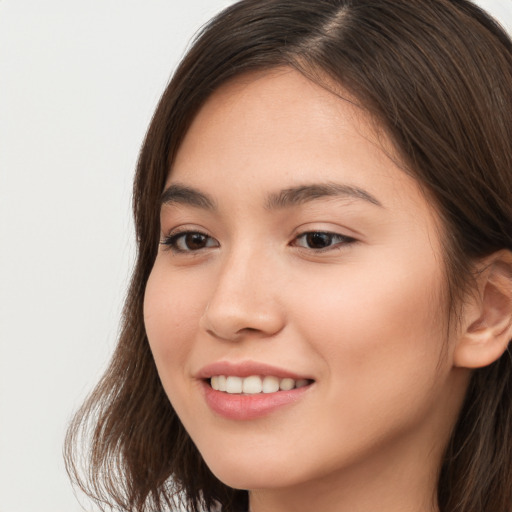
x,y
379,332
172,310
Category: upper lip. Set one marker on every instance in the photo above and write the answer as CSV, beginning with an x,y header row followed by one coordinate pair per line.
x,y
246,369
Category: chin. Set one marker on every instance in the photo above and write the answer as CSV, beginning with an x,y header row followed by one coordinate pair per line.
x,y
249,480
249,475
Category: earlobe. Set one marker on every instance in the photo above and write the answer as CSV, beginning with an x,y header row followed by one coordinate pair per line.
x,y
488,317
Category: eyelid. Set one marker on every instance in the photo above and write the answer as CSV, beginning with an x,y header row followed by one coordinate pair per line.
x,y
343,240
169,240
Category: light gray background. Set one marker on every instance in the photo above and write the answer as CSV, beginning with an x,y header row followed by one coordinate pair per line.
x,y
78,84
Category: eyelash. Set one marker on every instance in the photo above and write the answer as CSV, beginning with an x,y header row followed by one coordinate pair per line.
x,y
341,240
172,242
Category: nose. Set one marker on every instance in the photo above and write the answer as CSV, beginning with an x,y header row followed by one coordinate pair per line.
x,y
244,301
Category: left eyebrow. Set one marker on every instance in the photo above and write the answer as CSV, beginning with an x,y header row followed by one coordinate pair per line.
x,y
305,193
183,194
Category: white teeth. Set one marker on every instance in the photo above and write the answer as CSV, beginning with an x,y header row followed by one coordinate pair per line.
x,y
255,384
234,384
286,384
270,384
301,383
222,382
252,385
219,383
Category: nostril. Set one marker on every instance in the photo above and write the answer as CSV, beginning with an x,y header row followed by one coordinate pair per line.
x,y
249,329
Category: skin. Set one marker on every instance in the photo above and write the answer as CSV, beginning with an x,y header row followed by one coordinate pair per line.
x,y
364,317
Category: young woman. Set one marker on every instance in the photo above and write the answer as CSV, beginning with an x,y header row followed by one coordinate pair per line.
x,y
321,307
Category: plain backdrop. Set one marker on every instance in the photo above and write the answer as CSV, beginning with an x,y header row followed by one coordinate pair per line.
x,y
78,84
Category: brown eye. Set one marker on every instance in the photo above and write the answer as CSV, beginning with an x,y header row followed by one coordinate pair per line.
x,y
189,241
194,241
319,240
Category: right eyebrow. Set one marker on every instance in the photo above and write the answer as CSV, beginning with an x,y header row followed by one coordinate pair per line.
x,y
306,193
182,194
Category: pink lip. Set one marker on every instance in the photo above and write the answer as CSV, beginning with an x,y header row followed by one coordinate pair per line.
x,y
245,369
248,407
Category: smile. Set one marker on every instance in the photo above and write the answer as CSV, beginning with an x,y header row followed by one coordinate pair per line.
x,y
247,390
255,384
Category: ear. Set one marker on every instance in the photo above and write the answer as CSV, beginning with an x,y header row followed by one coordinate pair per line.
x,y
487,322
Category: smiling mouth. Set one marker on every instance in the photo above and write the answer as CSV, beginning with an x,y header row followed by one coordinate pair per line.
x,y
255,384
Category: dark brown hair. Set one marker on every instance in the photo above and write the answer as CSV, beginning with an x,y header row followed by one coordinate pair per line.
x,y
437,77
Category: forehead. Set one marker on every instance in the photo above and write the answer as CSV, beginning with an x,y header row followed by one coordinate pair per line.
x,y
281,105
277,129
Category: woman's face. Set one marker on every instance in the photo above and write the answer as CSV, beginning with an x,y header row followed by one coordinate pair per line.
x,y
295,252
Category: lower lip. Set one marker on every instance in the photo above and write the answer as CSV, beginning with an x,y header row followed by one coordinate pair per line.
x,y
249,407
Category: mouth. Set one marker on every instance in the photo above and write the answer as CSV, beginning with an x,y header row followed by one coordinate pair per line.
x,y
255,384
248,390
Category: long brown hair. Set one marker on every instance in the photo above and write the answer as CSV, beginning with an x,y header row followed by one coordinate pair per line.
x,y
437,77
